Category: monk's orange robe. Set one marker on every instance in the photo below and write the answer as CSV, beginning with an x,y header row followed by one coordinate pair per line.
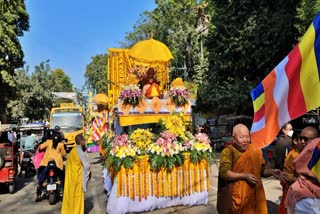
x,y
153,91
292,174
239,196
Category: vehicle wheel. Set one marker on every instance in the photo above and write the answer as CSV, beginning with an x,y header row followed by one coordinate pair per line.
x,y
12,188
1,160
52,198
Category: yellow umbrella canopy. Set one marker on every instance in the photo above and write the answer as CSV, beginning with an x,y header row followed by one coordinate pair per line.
x,y
102,99
150,50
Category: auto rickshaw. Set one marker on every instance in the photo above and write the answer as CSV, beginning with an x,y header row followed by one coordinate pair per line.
x,y
8,162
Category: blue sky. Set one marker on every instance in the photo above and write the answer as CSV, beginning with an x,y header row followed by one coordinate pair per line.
x,y
70,32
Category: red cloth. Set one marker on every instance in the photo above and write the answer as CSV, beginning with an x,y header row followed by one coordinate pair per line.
x,y
303,187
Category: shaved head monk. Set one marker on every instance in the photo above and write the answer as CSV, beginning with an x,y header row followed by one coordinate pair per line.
x,y
240,188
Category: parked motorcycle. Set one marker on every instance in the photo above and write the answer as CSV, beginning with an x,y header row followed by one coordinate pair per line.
x,y
53,184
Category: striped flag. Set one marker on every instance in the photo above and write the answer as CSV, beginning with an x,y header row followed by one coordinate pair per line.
x,y
314,163
290,90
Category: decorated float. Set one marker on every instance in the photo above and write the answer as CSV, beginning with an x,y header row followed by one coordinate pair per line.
x,y
154,161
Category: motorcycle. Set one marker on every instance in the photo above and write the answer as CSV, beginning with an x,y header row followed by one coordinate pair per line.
x,y
53,184
27,164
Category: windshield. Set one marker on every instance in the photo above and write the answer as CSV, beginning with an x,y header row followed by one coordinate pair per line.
x,y
68,121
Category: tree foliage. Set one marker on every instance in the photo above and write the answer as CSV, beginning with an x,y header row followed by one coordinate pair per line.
x,y
96,74
306,11
61,81
14,20
34,98
249,39
175,23
246,39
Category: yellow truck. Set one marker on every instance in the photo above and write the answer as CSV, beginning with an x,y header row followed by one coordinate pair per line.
x,y
70,120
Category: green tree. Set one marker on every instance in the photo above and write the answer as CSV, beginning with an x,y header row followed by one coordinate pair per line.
x,y
34,97
61,81
96,74
306,11
14,20
249,39
176,24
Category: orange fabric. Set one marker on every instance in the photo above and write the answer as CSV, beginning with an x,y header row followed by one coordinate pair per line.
x,y
242,197
153,91
289,169
267,134
52,154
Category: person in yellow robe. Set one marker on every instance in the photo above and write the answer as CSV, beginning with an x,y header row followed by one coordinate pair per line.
x,y
77,175
240,188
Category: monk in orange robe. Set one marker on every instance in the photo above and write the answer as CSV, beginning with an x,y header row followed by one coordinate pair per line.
x,y
240,188
151,89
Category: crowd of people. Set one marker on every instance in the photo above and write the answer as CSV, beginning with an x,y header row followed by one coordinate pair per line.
x,y
240,188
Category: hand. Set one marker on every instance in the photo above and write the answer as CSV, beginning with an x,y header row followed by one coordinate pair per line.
x,y
281,176
251,179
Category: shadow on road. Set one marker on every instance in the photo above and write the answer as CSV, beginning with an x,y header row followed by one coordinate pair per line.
x,y
21,182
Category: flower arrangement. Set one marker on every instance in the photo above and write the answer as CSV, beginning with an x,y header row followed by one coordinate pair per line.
x,y
199,146
131,95
141,138
166,152
165,148
175,124
178,93
177,82
121,152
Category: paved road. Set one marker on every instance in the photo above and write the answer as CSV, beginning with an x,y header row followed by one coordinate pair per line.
x,y
22,201
95,203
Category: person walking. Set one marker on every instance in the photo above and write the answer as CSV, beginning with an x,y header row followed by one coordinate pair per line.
x,y
240,188
77,175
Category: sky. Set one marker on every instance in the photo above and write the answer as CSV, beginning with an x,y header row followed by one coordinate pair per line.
x,y
69,32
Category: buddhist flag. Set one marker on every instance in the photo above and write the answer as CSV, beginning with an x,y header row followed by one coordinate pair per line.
x,y
290,90
314,163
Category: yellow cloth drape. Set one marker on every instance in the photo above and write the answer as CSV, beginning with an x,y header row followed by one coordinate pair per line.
x,y
73,195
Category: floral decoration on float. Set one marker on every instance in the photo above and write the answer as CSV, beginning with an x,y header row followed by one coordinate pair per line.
x,y
130,95
178,93
166,148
